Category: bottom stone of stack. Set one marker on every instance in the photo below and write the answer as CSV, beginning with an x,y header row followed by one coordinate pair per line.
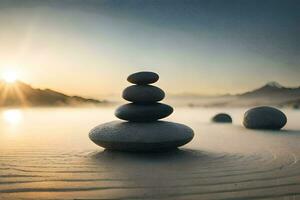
x,y
134,136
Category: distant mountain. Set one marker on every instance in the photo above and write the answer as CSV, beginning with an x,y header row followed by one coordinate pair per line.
x,y
292,104
273,90
22,94
272,93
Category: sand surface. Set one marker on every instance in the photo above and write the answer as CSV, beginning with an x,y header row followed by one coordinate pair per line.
x,y
46,154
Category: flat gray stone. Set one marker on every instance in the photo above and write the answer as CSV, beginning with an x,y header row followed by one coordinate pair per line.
x,y
132,136
143,78
143,112
222,118
264,118
143,94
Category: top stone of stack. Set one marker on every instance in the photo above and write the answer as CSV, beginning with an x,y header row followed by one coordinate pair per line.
x,y
143,78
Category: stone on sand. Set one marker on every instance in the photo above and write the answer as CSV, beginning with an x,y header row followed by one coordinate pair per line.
x,y
222,118
264,117
132,136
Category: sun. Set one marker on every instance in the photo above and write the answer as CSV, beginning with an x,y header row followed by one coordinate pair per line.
x,y
10,76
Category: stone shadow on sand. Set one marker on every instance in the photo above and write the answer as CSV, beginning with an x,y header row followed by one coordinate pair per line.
x,y
291,132
177,156
269,131
283,131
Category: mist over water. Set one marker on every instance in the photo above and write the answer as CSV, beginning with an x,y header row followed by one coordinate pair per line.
x,y
46,154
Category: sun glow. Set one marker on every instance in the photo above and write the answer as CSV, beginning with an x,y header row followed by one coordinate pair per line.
x,y
10,76
12,117
11,92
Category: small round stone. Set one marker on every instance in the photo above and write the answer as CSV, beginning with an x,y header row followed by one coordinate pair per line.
x,y
143,112
264,117
143,94
222,118
143,78
132,136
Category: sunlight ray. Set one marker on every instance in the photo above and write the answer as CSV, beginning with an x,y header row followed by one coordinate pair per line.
x,y
20,95
12,91
3,95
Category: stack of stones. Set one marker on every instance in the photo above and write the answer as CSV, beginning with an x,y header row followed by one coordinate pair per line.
x,y
144,98
142,130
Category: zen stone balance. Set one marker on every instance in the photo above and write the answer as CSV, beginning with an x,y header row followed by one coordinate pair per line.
x,y
142,129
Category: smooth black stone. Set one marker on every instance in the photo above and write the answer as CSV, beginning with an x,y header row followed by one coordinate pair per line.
x,y
143,94
143,78
143,112
222,118
140,137
264,118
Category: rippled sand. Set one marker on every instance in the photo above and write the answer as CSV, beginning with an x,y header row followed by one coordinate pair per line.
x,y
46,154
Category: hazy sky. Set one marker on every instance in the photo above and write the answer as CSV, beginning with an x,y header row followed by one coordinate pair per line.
x,y
88,47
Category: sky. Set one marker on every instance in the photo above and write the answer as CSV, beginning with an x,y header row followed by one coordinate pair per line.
x,y
207,47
